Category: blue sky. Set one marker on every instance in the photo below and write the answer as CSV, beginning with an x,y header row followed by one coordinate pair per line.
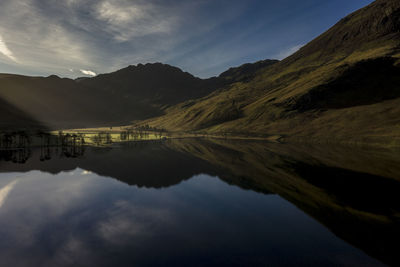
x,y
73,38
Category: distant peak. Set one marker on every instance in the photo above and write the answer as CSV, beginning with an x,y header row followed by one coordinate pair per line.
x,y
156,66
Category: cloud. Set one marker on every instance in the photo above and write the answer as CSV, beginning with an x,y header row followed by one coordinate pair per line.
x,y
126,20
117,14
107,35
44,42
5,51
204,37
88,72
288,52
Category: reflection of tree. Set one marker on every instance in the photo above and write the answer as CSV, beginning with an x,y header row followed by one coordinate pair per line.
x,y
72,145
14,147
102,138
45,144
124,136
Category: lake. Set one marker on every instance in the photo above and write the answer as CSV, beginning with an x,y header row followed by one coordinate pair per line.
x,y
199,202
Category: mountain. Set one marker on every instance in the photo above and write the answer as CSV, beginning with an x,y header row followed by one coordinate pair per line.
x,y
345,84
342,86
134,93
12,117
245,72
119,98
152,84
52,102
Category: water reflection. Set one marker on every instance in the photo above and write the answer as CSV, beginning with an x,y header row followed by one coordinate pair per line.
x,y
17,146
353,192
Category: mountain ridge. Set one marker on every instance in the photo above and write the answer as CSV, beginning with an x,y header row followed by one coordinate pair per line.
x,y
343,85
274,100
117,98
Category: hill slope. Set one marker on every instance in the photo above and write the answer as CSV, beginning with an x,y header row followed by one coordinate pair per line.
x,y
345,83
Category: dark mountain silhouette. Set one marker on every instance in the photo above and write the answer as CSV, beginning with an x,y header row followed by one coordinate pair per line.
x,y
130,94
152,84
12,117
52,101
118,98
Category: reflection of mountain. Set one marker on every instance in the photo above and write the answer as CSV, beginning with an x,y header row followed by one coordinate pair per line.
x,y
351,191
143,164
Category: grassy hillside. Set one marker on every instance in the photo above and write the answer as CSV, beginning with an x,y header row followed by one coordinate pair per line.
x,y
344,84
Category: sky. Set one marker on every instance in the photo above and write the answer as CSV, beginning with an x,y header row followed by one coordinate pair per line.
x,y
74,38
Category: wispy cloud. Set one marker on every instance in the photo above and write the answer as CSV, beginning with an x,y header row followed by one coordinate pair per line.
x,y
88,72
117,14
5,51
126,20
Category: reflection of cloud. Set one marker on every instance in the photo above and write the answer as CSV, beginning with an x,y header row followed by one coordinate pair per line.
x,y
5,191
126,221
118,229
85,172
45,200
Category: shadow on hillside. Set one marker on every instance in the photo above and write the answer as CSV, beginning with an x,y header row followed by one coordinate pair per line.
x,y
364,83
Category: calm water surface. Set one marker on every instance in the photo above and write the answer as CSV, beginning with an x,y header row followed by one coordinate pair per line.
x,y
199,203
